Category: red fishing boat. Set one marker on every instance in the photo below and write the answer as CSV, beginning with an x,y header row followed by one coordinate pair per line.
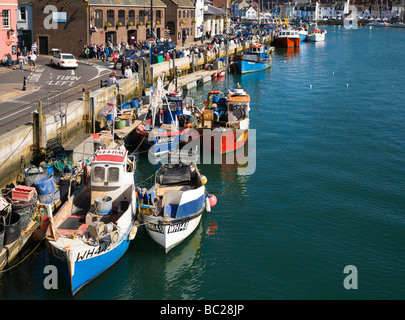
x,y
288,38
224,124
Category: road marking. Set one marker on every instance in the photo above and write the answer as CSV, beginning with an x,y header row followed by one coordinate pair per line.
x,y
12,114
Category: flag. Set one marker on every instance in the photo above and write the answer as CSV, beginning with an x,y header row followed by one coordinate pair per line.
x,y
110,108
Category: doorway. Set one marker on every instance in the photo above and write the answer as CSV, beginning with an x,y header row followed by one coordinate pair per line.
x,y
110,38
132,38
43,45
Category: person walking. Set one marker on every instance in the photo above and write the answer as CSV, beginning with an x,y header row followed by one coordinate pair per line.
x,y
32,58
21,62
34,48
87,52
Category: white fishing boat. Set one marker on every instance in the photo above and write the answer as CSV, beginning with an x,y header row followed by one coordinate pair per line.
x,y
316,35
171,210
93,229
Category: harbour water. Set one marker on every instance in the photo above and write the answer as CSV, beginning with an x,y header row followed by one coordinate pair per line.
x,y
328,190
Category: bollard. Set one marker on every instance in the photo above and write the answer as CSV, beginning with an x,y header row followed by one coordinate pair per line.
x,y
24,84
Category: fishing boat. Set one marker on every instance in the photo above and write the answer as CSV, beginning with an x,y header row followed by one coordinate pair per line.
x,y
255,59
93,229
316,35
169,118
227,116
171,210
288,38
303,34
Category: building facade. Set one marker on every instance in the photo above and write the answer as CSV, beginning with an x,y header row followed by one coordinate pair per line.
x,y
128,20
68,25
25,23
8,27
180,20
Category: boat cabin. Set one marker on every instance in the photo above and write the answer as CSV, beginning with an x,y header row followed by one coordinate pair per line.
x,y
238,109
256,52
174,106
109,173
288,33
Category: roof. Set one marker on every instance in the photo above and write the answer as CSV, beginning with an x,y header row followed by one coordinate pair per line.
x,y
214,10
183,3
132,3
110,155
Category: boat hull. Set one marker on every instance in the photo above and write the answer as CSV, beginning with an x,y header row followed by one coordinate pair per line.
x,y
160,146
248,66
79,267
286,42
316,37
223,140
169,232
168,236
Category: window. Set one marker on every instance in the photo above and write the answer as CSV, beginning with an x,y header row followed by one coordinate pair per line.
x,y
6,19
142,14
23,14
110,17
159,16
99,174
131,16
184,13
113,174
121,16
179,13
98,18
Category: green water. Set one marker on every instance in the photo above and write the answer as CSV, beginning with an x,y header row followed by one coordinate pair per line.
x,y
328,190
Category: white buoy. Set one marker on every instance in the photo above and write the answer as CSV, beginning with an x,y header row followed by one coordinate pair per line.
x,y
310,86
333,73
347,85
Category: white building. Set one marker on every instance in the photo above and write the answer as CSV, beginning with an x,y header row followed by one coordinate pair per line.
x,y
199,19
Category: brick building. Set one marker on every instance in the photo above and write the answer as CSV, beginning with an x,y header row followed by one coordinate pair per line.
x,y
127,20
71,24
180,20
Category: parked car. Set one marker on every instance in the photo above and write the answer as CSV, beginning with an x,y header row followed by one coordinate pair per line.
x,y
133,54
218,38
163,48
64,60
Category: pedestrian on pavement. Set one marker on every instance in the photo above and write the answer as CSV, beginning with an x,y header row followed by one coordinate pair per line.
x,y
32,58
34,48
87,52
128,72
112,80
115,59
25,55
21,61
106,53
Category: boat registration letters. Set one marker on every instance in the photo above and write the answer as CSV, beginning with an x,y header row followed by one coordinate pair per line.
x,y
178,227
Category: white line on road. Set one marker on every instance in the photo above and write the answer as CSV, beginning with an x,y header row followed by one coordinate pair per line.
x,y
12,114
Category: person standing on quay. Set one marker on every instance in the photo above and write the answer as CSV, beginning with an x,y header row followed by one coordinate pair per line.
x,y
32,58
21,62
34,48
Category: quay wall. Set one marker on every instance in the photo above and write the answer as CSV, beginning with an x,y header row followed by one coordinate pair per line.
x,y
18,145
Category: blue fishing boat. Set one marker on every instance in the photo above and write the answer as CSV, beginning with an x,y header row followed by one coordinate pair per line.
x,y
255,59
167,122
93,229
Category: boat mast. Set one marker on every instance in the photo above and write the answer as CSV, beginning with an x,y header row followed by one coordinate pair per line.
x,y
227,50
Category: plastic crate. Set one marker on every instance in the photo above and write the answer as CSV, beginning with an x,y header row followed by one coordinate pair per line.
x,y
23,193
